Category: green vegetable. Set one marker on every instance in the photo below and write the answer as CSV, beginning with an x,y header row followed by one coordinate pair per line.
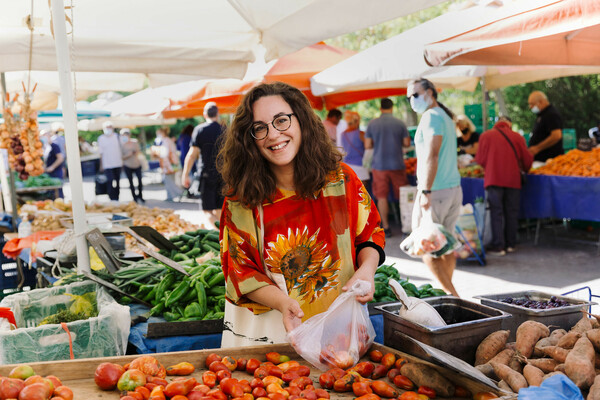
x,y
216,279
201,297
170,316
180,291
216,290
193,310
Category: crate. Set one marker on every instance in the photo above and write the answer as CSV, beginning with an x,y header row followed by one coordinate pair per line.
x,y
468,324
101,336
475,114
569,138
561,317
9,278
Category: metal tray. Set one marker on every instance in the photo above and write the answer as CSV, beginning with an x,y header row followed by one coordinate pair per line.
x,y
562,317
468,324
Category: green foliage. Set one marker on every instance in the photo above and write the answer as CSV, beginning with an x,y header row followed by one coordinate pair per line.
x,y
576,98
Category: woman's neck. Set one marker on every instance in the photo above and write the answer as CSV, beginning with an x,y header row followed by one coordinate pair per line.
x,y
284,177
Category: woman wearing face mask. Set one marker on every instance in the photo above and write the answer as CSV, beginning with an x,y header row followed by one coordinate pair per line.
x,y
468,141
438,180
297,226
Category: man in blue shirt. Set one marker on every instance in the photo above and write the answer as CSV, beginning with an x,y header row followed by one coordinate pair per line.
x,y
386,135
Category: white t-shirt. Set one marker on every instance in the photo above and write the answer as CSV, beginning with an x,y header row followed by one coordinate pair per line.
x,y
110,150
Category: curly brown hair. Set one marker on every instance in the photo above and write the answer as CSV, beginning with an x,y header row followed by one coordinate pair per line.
x,y
248,176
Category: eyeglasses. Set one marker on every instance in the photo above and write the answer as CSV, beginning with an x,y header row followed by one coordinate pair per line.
x,y
260,130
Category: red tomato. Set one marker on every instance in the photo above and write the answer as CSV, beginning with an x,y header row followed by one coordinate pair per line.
x,y
427,391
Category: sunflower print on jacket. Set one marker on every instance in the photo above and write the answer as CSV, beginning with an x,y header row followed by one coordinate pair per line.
x,y
311,242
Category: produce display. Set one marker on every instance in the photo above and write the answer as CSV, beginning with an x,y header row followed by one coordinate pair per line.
x,y
573,163
539,354
411,165
527,302
472,171
277,378
19,135
383,291
38,181
22,383
468,237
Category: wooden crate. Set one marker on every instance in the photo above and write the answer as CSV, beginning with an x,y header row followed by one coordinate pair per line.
x,y
79,374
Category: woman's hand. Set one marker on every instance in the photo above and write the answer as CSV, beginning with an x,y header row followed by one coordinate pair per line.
x,y
292,314
367,259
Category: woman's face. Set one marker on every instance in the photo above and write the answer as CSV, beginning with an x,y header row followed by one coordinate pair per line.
x,y
278,148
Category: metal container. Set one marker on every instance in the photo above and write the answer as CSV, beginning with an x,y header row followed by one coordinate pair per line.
x,y
561,317
468,324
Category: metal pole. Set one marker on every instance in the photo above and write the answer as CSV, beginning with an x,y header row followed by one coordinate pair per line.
x,y
71,133
3,82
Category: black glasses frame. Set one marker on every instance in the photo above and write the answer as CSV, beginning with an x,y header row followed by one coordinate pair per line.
x,y
272,124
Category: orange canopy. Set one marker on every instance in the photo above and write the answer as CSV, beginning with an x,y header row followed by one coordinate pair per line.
x,y
295,69
564,32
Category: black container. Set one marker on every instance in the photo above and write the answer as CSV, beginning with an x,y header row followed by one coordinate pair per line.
x,y
468,324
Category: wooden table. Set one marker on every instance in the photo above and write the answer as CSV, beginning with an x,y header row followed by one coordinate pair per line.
x,y
79,374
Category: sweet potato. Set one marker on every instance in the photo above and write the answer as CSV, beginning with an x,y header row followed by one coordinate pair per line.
x,y
515,364
594,336
528,334
490,346
505,386
504,356
533,375
487,370
551,374
551,340
569,340
579,365
423,375
514,379
582,326
545,364
557,353
511,345
560,368
594,393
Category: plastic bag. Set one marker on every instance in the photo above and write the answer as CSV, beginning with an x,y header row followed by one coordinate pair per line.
x,y
339,336
557,387
102,336
429,238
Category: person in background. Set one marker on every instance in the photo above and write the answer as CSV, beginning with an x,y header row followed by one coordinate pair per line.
x,y
84,147
58,137
594,133
168,160
285,184
468,141
111,158
503,154
387,135
438,180
354,147
183,145
132,164
546,137
54,159
205,142
331,122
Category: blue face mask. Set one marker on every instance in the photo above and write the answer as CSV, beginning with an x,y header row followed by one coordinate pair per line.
x,y
418,103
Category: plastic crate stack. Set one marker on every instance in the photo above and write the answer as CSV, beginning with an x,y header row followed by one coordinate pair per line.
x,y
9,276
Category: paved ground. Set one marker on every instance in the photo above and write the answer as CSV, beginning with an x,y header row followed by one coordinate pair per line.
x,y
555,265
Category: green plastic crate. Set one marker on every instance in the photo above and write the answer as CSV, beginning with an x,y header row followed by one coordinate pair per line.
x,y
103,336
569,137
475,114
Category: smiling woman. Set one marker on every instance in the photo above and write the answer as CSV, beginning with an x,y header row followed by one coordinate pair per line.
x,y
298,226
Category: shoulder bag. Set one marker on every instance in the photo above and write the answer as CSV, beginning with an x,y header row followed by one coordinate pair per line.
x,y
523,173
241,326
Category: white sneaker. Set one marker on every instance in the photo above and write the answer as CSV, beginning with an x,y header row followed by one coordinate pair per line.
x,y
499,253
510,249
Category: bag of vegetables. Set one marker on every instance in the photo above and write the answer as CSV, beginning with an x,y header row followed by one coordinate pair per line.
x,y
429,238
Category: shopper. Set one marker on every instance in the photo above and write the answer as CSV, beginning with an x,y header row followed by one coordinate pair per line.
x,y
206,140
169,162
111,158
503,154
334,117
387,135
438,180
354,147
546,137
183,145
297,227
468,141
132,164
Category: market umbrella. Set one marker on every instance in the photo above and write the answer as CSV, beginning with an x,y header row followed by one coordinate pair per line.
x,y
565,32
396,61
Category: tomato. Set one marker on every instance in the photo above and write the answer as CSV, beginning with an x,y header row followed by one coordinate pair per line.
x,y
158,381
294,390
287,365
252,365
484,396
55,381
246,386
336,372
256,382
384,389
261,372
158,393
182,369
388,360
201,388
10,387
365,368
209,378
217,366
180,387
277,358
241,364
222,374
259,392
403,382
276,396
409,396
230,363
400,361
361,388
322,394
379,372
276,371
368,396
67,394
135,395
131,379
427,391
392,373
211,358
217,394
227,384
375,355
344,384
35,391
326,380
149,366
302,382
460,391
308,394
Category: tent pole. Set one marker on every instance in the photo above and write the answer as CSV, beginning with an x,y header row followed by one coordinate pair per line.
x,y
484,110
3,83
71,134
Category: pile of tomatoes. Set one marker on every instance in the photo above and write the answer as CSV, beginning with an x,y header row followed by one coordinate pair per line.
x,y
22,383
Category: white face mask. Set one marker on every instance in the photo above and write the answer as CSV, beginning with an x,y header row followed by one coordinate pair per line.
x,y
109,131
535,110
419,104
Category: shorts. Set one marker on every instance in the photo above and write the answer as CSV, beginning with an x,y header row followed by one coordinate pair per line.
x,y
211,194
445,207
382,180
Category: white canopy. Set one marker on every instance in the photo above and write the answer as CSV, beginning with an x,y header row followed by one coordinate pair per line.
x,y
396,61
190,37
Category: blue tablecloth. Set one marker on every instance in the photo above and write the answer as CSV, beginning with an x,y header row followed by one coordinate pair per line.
x,y
143,345
547,196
